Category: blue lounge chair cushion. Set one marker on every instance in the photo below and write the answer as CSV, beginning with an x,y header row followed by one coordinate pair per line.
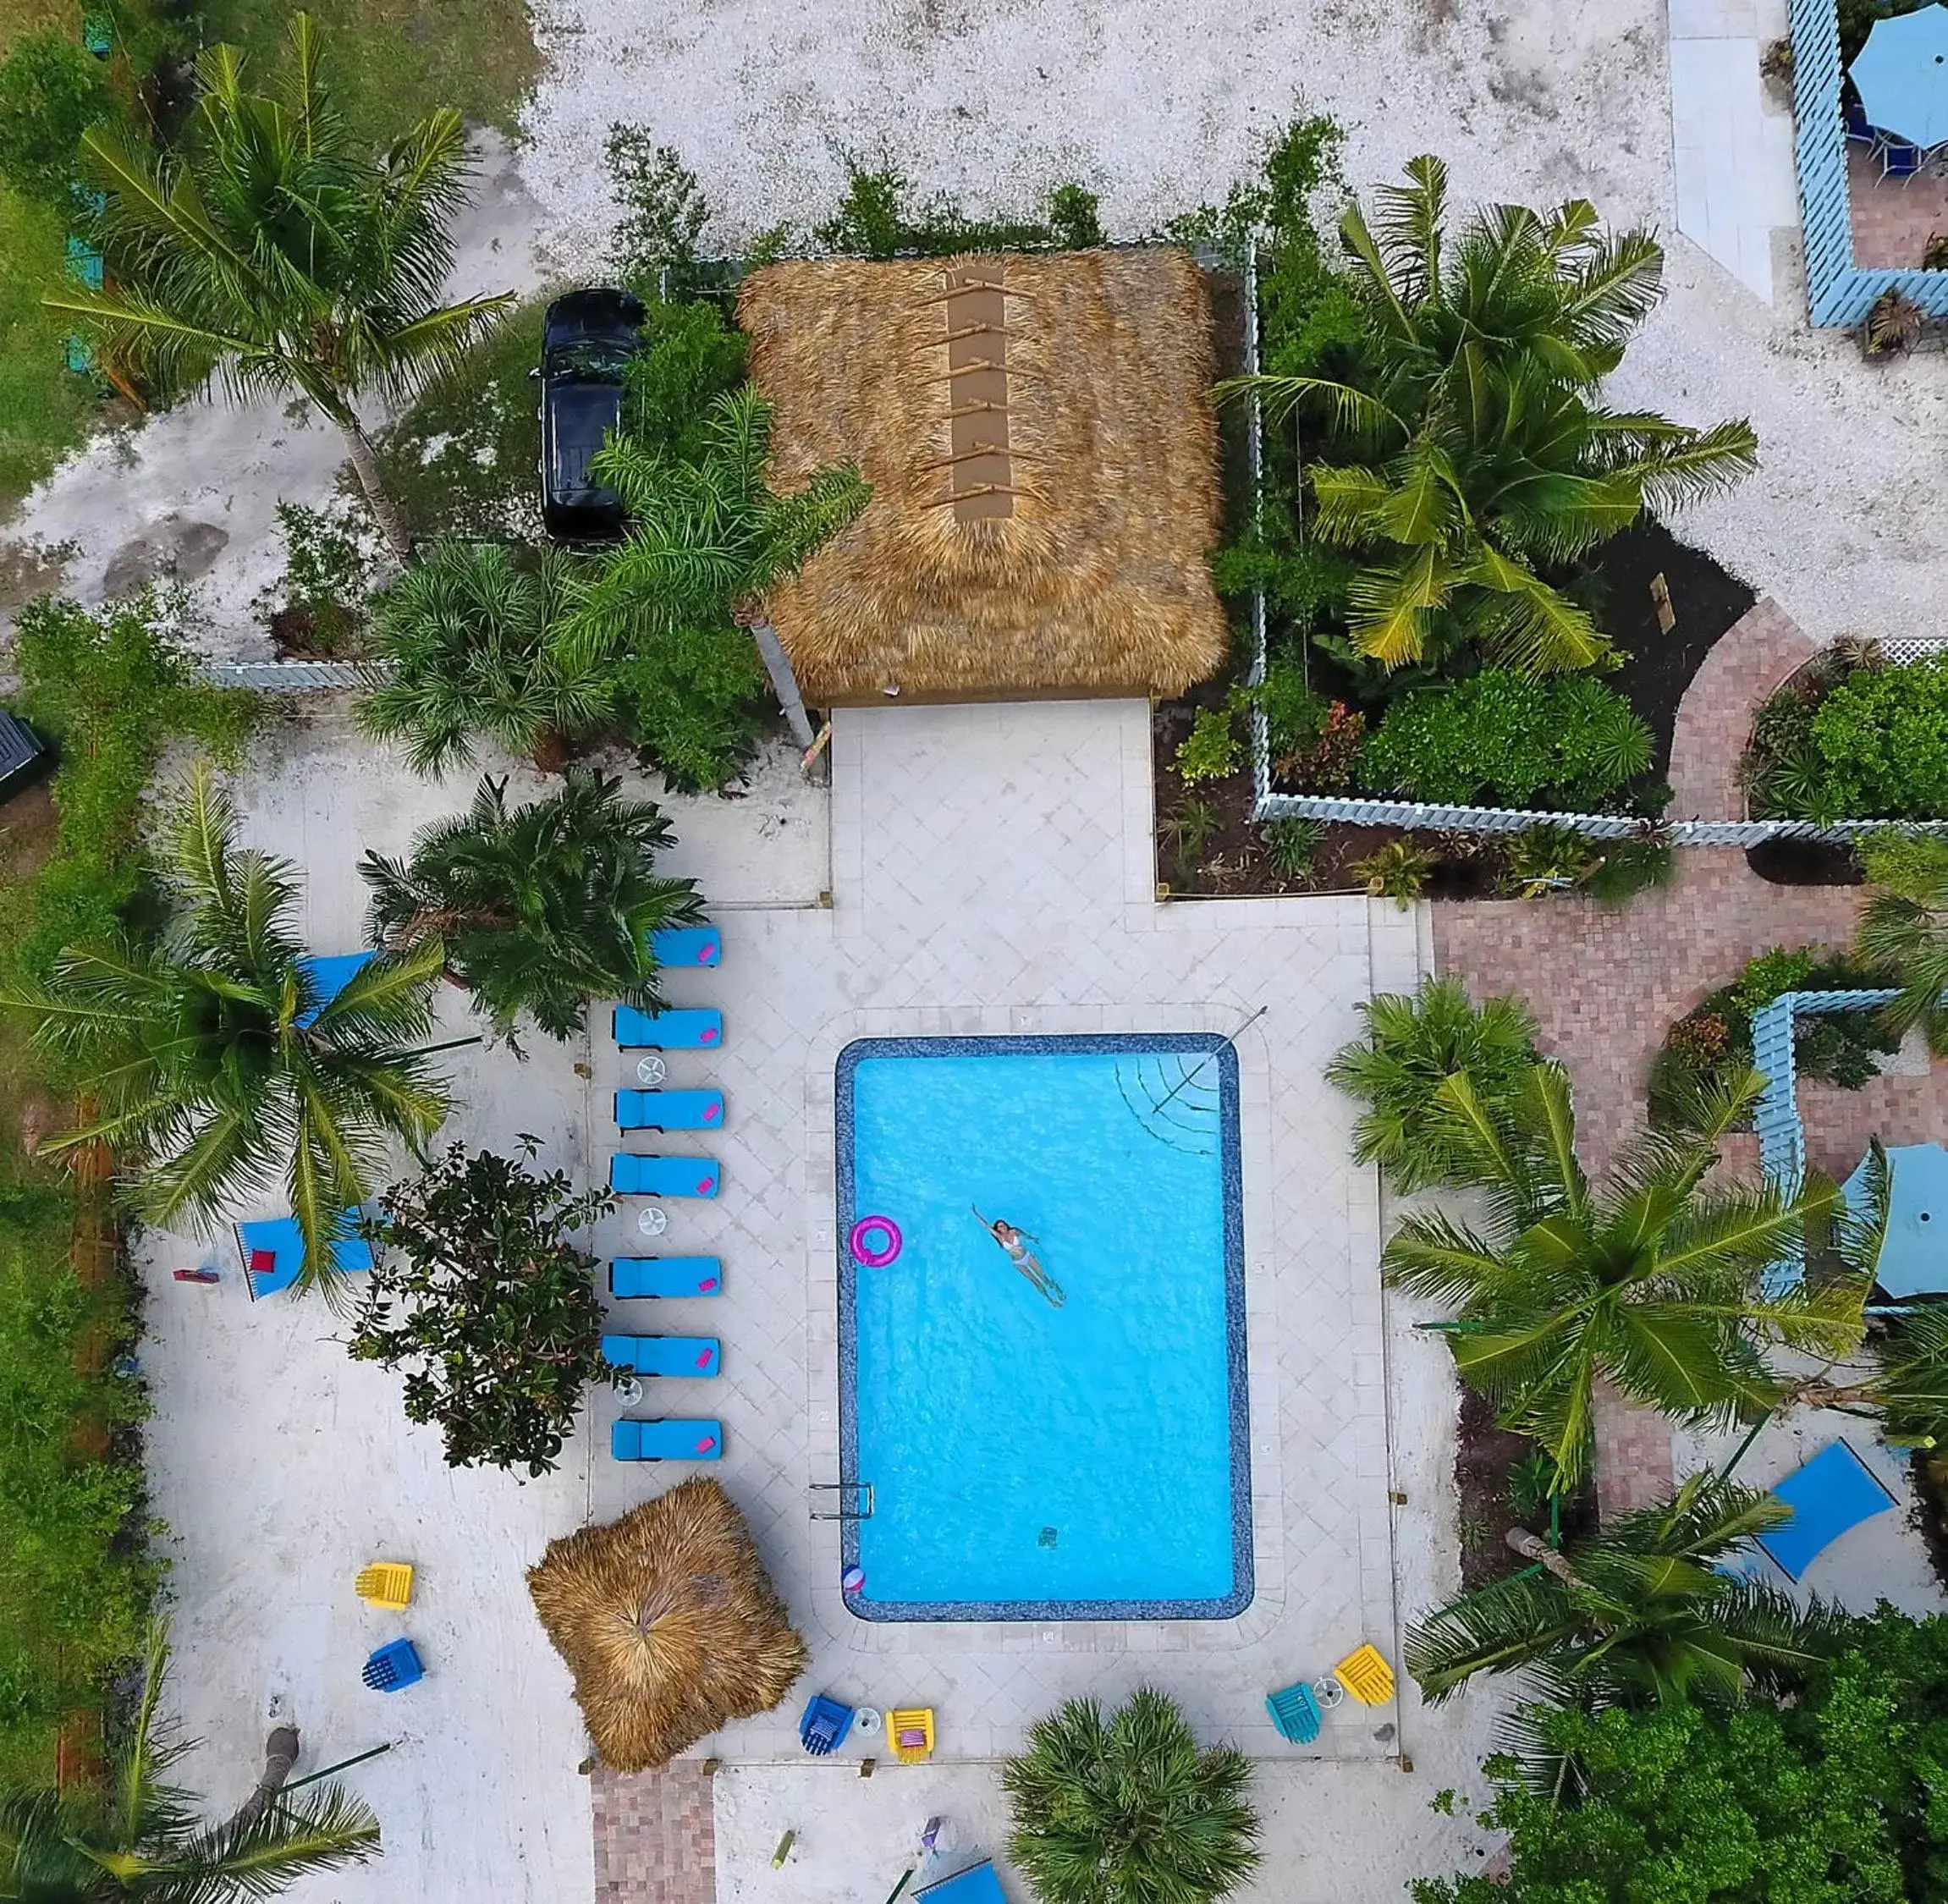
x,y
665,1276
1296,1713
669,1110
279,1237
687,945
1834,1491
977,1884
662,1355
328,977
630,1175
824,1725
666,1440
699,1030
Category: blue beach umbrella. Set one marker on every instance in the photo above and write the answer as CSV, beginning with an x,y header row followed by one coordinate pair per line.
x,y
1901,74
1914,1256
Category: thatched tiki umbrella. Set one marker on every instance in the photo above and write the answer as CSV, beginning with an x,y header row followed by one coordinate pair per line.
x,y
669,1624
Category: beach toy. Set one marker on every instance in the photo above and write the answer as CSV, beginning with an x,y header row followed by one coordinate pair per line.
x,y
393,1668
385,1583
852,1579
875,1256
651,1070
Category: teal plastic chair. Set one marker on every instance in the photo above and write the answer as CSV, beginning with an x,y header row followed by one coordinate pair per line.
x,y
1296,1713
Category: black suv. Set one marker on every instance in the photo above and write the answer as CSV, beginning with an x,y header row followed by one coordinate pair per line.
x,y
587,339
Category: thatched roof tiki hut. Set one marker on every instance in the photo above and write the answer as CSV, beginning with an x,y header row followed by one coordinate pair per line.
x,y
669,1622
1039,437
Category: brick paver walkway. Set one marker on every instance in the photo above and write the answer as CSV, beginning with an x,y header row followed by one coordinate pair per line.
x,y
1605,986
655,1836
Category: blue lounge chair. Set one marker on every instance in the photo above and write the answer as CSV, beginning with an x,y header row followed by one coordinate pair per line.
x,y
662,1355
699,1030
1859,128
274,1254
630,1175
328,977
687,945
824,1725
1899,160
1834,1491
1296,1713
665,1276
669,1110
977,1884
667,1440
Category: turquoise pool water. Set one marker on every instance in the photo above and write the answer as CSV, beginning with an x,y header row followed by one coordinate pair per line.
x,y
1028,1461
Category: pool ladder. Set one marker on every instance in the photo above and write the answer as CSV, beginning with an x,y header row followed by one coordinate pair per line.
x,y
861,1509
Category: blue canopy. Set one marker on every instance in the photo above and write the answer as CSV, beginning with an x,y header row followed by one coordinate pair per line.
x,y
1834,1491
1901,74
1914,1254
329,977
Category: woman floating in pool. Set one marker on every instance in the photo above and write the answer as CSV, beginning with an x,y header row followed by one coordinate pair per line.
x,y
1015,1242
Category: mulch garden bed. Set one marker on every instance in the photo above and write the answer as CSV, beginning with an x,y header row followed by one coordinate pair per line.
x,y
1804,862
1929,1516
1485,1456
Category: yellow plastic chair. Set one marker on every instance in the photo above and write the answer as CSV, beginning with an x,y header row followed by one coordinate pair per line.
x,y
386,1583
911,1731
1367,1676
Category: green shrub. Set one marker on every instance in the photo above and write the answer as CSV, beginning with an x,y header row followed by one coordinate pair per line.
x,y
51,92
1882,733
1212,750
1626,867
112,691
1290,846
875,220
1498,738
661,209
1412,1042
319,605
1074,218
693,699
690,353
1398,871
1547,859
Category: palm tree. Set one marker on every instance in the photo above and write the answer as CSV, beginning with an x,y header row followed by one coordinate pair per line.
x,y
136,1836
214,1063
1637,1614
1476,460
463,644
1654,1284
541,909
705,539
1129,1810
1412,1043
1904,928
266,246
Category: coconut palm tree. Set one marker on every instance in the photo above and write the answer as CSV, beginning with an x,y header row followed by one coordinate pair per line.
x,y
137,1835
1655,1284
265,246
1412,1043
1637,1614
1467,460
705,539
1904,928
217,1068
538,910
1129,1810
463,645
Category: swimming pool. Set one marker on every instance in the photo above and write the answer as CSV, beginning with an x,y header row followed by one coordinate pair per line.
x,y
1027,1460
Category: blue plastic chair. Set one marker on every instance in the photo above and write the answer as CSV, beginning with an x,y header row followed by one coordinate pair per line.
x,y
656,1276
1296,1713
278,1238
701,1030
669,1110
666,1440
824,1725
1859,129
395,1667
663,1354
630,1175
687,945
1832,1492
1901,161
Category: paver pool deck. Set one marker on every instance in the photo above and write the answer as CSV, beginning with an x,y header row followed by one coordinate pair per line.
x,y
993,873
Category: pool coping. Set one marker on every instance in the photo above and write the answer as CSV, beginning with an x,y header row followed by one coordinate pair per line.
x,y
1222,1607
1222,1012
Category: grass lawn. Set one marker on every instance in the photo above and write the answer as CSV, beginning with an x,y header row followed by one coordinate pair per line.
x,y
44,409
392,60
